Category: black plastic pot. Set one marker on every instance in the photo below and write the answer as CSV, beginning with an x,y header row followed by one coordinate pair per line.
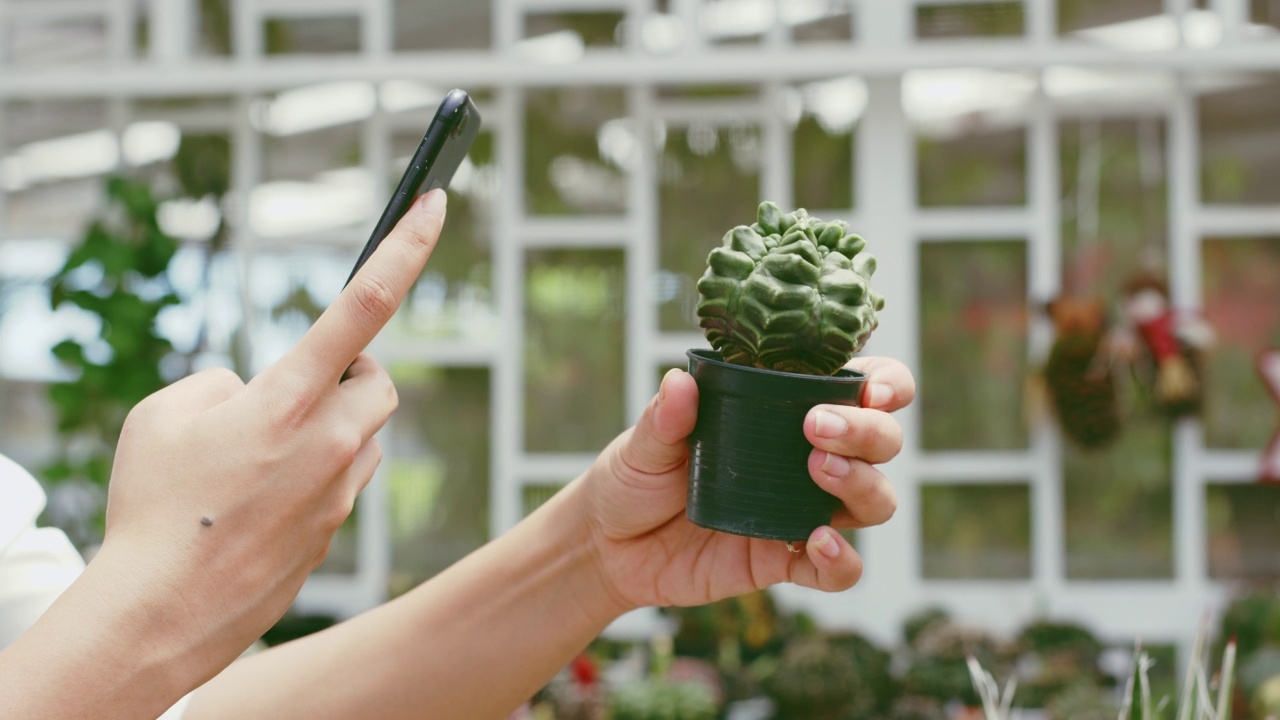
x,y
748,460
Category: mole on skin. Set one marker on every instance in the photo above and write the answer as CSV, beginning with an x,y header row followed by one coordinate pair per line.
x,y
206,521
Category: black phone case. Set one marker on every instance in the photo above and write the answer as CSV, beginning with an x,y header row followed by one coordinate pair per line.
x,y
437,158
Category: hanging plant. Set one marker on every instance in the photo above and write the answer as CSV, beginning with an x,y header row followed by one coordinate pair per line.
x,y
1078,373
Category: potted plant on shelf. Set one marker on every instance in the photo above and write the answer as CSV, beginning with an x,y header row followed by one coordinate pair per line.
x,y
785,303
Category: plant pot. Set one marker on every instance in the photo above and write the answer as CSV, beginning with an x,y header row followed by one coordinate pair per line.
x,y
748,456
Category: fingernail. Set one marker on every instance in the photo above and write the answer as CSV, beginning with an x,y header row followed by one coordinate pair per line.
x,y
879,395
827,545
435,201
828,424
835,466
662,386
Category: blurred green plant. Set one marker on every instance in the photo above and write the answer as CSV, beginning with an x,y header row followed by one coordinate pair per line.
x,y
814,680
1082,701
986,19
117,274
1200,699
916,707
1254,620
732,633
662,699
1063,658
939,661
667,693
877,686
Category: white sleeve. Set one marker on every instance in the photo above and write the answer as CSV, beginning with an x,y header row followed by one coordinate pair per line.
x,y
36,564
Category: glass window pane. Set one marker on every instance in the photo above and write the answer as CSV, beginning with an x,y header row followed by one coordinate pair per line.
x,y
830,21
968,20
709,182
314,180
435,25
973,344
577,143
288,291
1242,305
453,297
1076,15
311,36
592,29
574,366
343,548
32,43
304,155
1114,204
1243,540
1237,131
1119,504
822,144
533,495
26,423
57,152
731,22
437,470
1266,12
978,167
976,532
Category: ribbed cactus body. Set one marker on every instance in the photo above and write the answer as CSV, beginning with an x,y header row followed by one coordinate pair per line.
x,y
789,293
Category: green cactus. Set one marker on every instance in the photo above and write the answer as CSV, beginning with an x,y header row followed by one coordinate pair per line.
x,y
789,293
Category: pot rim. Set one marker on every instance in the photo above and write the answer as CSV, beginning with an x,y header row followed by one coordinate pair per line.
x,y
708,355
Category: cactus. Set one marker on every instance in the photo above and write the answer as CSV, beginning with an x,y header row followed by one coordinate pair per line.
x,y
789,293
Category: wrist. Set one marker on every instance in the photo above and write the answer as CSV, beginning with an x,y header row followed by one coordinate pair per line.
x,y
109,638
145,602
579,537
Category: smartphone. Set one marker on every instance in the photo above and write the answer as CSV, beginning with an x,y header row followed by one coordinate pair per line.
x,y
433,164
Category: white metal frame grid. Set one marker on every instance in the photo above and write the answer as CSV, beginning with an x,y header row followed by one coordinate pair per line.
x,y
885,209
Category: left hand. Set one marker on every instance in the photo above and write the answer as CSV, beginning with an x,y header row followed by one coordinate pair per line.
x,y
651,554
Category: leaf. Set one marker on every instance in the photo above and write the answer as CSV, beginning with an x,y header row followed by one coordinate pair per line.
x,y
70,402
69,352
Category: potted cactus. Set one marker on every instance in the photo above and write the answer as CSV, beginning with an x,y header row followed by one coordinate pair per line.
x,y
785,304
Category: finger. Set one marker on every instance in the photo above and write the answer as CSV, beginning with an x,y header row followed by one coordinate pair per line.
x,y
890,385
829,562
867,495
656,444
347,327
199,391
368,457
367,397
854,432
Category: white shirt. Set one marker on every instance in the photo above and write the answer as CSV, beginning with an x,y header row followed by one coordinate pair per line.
x,y
36,564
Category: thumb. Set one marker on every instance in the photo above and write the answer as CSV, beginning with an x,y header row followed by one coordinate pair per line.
x,y
656,445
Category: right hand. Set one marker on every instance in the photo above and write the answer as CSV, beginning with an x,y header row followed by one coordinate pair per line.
x,y
224,496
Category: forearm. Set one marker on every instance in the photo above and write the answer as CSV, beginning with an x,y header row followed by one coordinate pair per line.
x,y
472,643
104,649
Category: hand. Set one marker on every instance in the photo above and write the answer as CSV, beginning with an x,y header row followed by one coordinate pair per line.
x,y
650,554
224,496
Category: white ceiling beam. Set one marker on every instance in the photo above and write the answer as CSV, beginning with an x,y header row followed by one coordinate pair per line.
x,y
482,68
